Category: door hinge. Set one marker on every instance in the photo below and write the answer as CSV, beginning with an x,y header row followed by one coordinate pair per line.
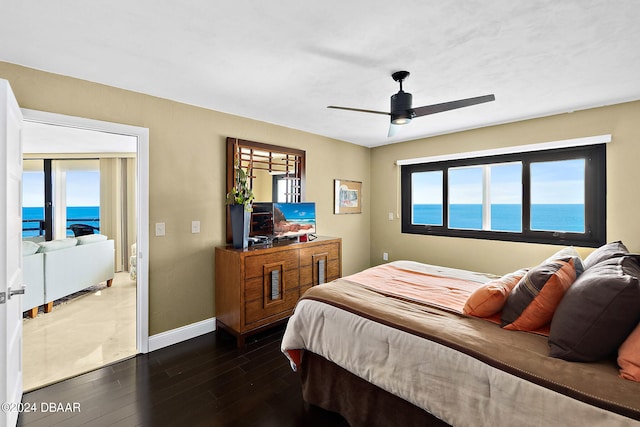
x,y
3,297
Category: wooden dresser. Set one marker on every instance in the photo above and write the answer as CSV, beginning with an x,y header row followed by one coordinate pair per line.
x,y
259,287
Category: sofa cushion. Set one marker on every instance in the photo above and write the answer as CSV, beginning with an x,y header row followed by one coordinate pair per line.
x,y
91,238
29,248
598,312
56,245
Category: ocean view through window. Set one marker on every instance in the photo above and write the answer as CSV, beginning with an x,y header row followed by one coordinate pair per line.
x,y
32,216
554,196
506,217
80,205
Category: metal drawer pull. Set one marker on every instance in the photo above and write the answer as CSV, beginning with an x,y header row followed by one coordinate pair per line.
x,y
275,284
321,271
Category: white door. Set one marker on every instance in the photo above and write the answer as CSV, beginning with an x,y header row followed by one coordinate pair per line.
x,y
10,256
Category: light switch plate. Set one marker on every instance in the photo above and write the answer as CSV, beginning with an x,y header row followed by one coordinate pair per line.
x,y
160,229
195,227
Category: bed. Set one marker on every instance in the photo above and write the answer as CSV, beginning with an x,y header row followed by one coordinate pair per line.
x,y
376,348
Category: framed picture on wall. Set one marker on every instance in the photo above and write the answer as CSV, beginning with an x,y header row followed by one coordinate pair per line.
x,y
347,196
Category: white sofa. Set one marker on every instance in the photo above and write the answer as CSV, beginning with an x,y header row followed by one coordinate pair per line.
x,y
63,267
33,274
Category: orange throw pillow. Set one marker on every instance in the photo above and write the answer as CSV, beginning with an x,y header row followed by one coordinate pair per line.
x,y
533,301
489,298
629,356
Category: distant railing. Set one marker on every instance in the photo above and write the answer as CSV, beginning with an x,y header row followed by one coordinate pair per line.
x,y
39,229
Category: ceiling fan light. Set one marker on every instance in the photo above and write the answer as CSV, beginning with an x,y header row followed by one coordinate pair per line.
x,y
400,119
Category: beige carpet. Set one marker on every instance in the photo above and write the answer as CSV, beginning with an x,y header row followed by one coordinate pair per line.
x,y
80,334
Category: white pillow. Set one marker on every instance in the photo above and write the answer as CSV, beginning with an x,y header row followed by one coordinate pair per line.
x,y
29,248
90,238
55,245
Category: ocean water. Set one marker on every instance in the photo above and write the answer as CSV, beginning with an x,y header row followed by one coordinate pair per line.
x,y
75,214
505,217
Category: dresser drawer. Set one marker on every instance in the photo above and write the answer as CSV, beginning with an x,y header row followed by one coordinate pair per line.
x,y
330,250
254,265
257,313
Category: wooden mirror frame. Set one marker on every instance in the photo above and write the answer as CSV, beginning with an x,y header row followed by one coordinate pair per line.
x,y
251,154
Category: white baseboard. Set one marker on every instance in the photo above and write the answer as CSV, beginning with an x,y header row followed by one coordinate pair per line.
x,y
174,336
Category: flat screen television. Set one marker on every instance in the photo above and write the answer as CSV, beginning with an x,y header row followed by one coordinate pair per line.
x,y
294,219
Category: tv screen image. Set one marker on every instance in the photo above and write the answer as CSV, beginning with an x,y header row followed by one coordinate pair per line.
x,y
294,219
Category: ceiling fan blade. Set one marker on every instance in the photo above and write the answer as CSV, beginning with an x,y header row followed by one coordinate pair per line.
x,y
393,130
452,105
359,110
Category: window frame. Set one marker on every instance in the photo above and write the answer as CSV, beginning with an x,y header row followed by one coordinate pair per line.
x,y
595,197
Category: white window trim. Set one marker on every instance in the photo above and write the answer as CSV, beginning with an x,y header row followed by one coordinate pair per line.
x,y
575,142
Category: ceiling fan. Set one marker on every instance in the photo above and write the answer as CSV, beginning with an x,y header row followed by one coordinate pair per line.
x,y
402,112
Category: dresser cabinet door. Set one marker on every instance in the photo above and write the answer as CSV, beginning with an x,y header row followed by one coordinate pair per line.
x,y
272,287
319,264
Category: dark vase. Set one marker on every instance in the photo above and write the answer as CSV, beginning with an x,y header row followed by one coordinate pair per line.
x,y
240,219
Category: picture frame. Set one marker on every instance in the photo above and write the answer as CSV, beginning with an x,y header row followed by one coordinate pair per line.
x,y
347,196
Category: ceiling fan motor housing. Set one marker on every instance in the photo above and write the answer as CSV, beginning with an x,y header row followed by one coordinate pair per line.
x,y
401,112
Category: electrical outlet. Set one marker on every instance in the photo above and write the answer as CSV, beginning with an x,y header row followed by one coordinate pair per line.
x,y
160,229
385,256
195,227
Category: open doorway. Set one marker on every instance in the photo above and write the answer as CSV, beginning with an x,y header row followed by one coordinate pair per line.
x,y
97,180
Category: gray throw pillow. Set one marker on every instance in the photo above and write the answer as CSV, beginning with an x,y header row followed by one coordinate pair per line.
x,y
597,312
605,252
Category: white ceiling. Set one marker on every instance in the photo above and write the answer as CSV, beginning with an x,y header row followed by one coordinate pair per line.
x,y
284,61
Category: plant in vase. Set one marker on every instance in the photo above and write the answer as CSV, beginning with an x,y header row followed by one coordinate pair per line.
x,y
239,200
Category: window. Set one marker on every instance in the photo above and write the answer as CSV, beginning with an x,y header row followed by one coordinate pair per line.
x,y
554,196
426,204
33,224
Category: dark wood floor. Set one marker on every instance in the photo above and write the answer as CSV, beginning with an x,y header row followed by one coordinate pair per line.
x,y
205,381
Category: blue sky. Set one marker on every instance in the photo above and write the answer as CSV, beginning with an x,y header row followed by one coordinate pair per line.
x,y
558,182
83,188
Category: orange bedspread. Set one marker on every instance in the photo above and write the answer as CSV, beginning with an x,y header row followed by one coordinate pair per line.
x,y
448,293
445,292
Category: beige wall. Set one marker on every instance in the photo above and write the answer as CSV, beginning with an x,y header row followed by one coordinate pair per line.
x,y
623,175
187,182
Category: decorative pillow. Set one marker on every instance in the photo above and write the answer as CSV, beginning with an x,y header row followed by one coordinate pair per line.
x,y
605,252
489,298
90,238
55,245
29,248
568,252
533,301
598,311
629,356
